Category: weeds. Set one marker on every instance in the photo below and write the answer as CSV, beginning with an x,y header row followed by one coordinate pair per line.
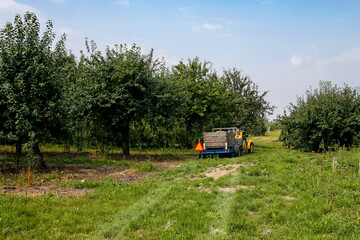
x,y
147,166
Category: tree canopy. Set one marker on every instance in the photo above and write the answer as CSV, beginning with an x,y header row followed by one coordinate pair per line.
x,y
117,97
30,92
116,90
249,106
327,117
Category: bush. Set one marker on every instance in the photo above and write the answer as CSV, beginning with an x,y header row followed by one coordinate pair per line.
x,y
328,117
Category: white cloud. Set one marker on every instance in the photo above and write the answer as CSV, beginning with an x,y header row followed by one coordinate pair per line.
x,y
122,3
295,61
347,56
187,17
351,55
13,6
286,80
299,60
209,26
170,60
9,8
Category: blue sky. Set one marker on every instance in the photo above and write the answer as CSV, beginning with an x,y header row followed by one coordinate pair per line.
x,y
284,46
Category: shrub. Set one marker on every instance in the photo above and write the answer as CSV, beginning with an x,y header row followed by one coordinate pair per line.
x,y
327,117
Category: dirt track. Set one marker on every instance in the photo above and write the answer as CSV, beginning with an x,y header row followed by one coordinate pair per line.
x,y
42,184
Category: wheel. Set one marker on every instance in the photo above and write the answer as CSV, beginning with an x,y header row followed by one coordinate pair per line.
x,y
237,150
252,147
243,147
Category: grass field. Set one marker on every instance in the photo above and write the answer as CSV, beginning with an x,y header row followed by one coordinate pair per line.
x,y
274,193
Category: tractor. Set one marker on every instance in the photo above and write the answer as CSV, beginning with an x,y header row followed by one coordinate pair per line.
x,y
224,142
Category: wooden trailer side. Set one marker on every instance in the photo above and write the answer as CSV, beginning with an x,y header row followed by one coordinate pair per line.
x,y
218,140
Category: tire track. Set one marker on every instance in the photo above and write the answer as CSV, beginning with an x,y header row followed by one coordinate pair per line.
x,y
123,219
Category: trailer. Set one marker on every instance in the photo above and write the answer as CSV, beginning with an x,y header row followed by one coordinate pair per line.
x,y
228,141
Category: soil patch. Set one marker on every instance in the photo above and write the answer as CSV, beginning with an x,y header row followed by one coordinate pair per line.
x,y
251,213
201,189
288,198
13,178
233,189
224,189
71,172
84,172
56,174
169,164
216,230
222,170
160,157
131,176
41,191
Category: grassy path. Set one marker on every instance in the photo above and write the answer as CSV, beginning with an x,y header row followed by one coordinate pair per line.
x,y
221,207
126,218
275,194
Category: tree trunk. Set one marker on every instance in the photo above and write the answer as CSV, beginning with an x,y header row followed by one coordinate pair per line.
x,y
18,152
125,143
40,163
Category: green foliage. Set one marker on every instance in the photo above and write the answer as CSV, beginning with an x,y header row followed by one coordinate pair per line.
x,y
120,97
249,107
274,125
160,127
116,90
206,99
147,167
30,88
328,117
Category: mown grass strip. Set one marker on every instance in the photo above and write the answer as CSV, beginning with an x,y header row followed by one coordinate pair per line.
x,y
123,219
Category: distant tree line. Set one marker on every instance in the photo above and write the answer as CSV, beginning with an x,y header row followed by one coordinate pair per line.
x,y
325,118
119,97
